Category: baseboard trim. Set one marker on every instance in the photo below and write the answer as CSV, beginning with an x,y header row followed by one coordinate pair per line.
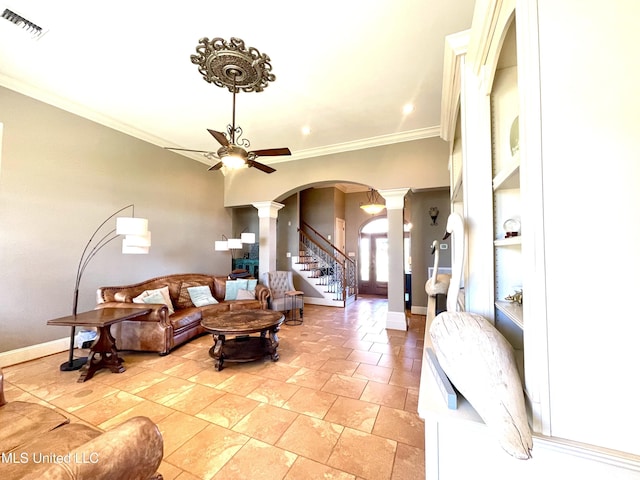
x,y
323,301
396,321
416,310
33,352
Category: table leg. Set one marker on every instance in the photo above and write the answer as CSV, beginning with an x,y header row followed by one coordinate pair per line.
x,y
275,341
103,355
216,352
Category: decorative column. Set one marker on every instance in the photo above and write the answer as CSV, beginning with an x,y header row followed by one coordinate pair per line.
x,y
396,317
267,214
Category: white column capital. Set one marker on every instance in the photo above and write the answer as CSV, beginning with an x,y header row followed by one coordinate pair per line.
x,y
268,209
394,197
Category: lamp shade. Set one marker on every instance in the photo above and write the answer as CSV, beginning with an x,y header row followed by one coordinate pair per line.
x,y
131,226
133,250
221,245
248,237
136,244
235,243
138,240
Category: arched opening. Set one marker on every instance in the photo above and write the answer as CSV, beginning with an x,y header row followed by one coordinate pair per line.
x,y
373,274
373,256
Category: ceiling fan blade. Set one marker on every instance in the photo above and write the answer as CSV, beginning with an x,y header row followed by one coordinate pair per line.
x,y
219,136
261,166
187,150
271,152
217,166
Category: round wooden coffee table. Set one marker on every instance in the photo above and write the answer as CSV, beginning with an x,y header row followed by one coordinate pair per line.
x,y
241,323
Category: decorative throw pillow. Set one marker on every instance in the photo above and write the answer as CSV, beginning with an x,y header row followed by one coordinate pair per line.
x,y
231,289
251,285
201,296
164,292
155,297
184,297
245,294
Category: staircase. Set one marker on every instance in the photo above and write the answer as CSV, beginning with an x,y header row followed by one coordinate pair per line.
x,y
325,268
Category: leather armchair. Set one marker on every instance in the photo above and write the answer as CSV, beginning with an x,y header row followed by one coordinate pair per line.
x,y
37,442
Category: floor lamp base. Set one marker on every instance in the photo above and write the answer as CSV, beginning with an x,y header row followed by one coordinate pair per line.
x,y
73,364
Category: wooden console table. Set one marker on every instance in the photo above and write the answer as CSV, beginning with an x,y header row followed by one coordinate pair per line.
x,y
241,323
103,351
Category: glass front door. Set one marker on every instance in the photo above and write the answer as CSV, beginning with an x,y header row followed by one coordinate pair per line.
x,y
374,264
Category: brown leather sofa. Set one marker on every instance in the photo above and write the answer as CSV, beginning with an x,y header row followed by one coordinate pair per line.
x,y
37,442
161,331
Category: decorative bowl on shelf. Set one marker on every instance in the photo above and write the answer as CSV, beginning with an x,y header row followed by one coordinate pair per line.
x,y
514,136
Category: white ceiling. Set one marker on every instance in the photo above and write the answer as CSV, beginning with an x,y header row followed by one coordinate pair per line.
x,y
344,68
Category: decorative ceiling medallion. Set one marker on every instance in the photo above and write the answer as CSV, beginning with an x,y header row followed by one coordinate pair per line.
x,y
230,64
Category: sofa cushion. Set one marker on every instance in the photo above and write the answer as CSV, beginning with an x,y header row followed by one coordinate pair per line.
x,y
231,289
245,294
164,292
201,296
22,421
184,299
219,288
185,317
32,454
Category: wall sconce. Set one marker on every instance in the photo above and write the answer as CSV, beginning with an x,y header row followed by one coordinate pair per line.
x,y
433,213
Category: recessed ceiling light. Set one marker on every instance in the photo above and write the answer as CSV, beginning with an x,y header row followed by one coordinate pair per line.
x,y
306,130
408,108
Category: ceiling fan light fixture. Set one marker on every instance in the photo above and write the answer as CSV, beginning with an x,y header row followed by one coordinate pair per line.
x,y
233,65
234,162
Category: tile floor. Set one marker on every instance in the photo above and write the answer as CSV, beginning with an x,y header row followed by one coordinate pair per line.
x,y
339,404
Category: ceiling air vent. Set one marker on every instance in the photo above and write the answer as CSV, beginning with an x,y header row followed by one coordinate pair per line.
x,y
36,31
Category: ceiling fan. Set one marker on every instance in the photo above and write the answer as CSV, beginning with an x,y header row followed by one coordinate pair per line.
x,y
230,64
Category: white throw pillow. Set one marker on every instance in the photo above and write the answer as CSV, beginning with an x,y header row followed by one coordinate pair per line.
x,y
245,295
201,296
164,292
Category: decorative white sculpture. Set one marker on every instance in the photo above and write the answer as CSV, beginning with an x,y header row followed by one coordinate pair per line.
x,y
455,227
438,283
480,362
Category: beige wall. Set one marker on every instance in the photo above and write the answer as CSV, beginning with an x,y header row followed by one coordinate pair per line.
x,y
422,235
60,177
416,164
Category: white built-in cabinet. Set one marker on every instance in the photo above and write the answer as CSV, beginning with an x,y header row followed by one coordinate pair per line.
x,y
521,108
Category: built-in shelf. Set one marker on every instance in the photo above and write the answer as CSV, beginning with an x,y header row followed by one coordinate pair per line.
x,y
456,192
512,310
505,242
508,177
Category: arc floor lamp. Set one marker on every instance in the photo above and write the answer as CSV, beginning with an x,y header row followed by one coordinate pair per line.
x,y
137,240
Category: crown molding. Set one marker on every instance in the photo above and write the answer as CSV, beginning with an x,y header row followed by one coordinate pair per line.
x,y
77,109
371,142
455,47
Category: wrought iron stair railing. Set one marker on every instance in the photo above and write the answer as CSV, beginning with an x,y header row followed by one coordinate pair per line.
x,y
334,270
